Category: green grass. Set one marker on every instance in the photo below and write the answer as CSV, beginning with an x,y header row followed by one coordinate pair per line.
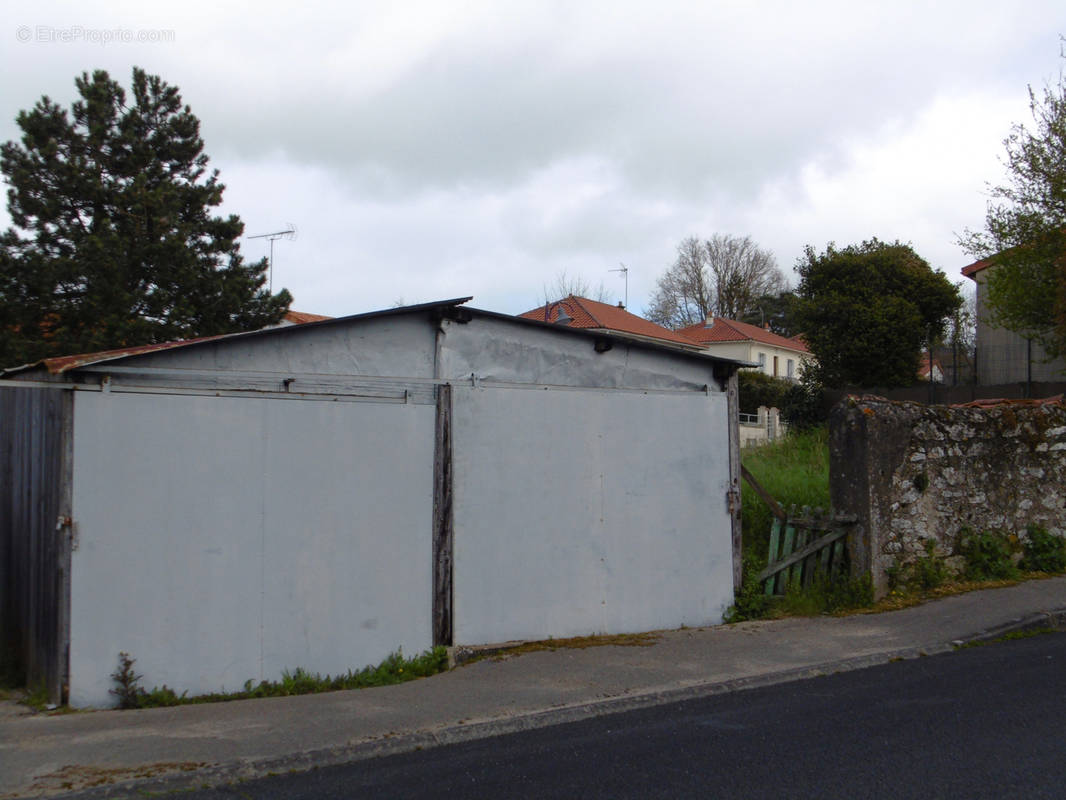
x,y
795,471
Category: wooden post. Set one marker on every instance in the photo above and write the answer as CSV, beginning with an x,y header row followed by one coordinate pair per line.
x,y
443,529
733,403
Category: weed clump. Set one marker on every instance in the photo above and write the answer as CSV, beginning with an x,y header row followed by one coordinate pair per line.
x,y
751,602
926,572
828,595
988,555
394,669
1044,552
127,683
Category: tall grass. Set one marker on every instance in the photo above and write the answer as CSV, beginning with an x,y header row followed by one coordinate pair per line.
x,y
795,471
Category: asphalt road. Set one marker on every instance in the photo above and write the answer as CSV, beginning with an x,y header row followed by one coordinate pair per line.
x,y
982,722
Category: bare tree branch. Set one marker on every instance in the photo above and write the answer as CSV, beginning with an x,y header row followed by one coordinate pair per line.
x,y
564,286
723,276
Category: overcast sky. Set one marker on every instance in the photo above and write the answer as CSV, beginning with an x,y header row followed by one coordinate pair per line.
x,y
440,149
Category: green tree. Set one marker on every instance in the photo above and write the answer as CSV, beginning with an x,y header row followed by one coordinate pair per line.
x,y
1025,227
756,389
868,310
777,312
114,243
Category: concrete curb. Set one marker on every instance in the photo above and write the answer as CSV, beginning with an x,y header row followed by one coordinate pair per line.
x,y
239,771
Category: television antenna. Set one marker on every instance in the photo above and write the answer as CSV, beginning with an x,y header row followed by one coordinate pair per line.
x,y
625,274
288,234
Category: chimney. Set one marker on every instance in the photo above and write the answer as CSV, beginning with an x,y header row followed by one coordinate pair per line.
x,y
621,305
709,322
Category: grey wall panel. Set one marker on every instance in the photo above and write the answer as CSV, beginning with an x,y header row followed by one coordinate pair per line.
x,y
581,512
399,345
500,350
225,539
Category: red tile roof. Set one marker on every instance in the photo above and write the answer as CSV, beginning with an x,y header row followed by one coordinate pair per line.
x,y
728,330
972,269
300,317
587,313
923,368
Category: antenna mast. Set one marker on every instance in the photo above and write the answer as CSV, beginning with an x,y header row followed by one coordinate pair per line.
x,y
290,234
625,274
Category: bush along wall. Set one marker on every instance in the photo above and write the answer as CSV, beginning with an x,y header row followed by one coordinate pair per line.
x,y
951,482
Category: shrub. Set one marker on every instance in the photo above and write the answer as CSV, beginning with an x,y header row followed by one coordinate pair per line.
x,y
988,555
751,602
1044,552
759,389
804,404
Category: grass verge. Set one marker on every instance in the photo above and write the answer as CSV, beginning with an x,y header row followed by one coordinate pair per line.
x,y
394,669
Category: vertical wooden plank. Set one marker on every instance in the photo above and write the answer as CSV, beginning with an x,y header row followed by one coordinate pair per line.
x,y
443,529
787,548
825,556
839,551
772,556
66,546
733,431
796,572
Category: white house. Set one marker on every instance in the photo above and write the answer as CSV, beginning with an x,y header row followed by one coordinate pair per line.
x,y
777,356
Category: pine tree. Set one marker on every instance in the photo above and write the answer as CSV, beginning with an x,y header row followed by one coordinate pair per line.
x,y
114,243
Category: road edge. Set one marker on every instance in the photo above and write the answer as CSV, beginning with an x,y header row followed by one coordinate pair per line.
x,y
237,772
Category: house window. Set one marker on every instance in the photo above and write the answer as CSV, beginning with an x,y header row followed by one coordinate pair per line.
x,y
762,361
775,366
790,366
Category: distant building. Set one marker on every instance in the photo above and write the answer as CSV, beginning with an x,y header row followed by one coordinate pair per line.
x,y
1005,356
777,356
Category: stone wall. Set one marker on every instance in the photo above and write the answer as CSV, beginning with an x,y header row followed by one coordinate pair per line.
x,y
910,472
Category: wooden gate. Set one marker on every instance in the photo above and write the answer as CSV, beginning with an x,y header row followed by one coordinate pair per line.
x,y
803,544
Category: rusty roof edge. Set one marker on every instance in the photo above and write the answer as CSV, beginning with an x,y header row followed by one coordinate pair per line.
x,y
61,364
